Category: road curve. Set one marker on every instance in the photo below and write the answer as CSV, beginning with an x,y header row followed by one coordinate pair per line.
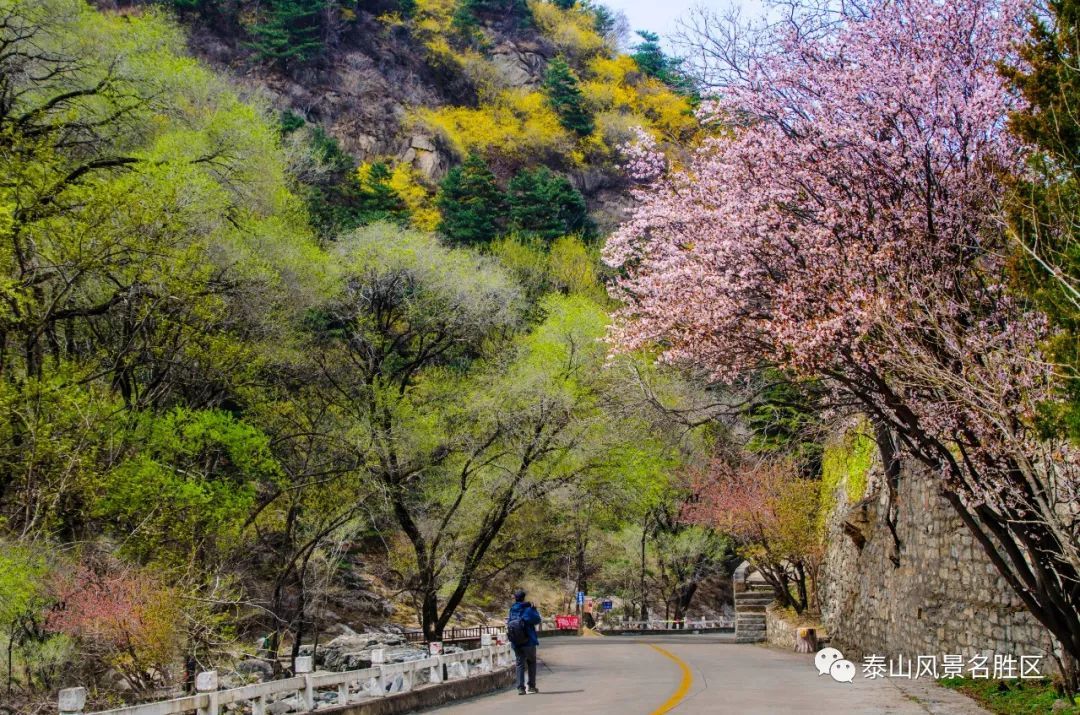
x,y
631,675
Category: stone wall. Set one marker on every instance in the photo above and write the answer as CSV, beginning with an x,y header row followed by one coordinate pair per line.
x,y
778,631
944,598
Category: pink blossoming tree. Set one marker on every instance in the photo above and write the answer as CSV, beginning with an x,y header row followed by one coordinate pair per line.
x,y
772,513
846,227
124,619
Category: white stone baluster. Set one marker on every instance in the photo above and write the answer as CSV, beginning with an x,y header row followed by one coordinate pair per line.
x,y
72,701
207,682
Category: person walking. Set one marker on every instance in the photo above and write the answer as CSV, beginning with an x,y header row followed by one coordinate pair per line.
x,y
521,632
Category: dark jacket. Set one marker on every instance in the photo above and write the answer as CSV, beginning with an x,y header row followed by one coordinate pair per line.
x,y
530,615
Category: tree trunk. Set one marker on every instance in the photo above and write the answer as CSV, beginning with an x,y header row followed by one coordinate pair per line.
x,y
800,586
644,590
582,579
891,461
429,616
683,598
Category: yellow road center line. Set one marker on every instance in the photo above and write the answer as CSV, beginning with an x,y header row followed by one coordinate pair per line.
x,y
684,684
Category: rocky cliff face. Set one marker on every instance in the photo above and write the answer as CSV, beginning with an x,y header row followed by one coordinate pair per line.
x,y
360,94
373,76
417,85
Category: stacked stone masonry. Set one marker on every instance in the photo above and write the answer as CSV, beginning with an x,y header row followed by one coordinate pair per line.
x,y
944,598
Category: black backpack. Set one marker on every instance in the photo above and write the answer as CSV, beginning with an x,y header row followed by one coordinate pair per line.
x,y
516,631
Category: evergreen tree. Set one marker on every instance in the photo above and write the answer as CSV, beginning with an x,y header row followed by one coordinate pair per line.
x,y
545,205
652,61
1045,205
566,99
605,21
470,202
378,201
288,31
468,11
341,198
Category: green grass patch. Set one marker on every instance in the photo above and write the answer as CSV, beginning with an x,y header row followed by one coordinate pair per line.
x,y
1012,697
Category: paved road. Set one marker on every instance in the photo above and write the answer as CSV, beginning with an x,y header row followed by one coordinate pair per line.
x,y
623,675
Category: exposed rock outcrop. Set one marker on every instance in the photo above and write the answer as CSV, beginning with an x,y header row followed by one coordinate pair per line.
x,y
520,65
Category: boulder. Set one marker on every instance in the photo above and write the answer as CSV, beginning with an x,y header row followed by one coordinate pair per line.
x,y
424,156
353,652
255,669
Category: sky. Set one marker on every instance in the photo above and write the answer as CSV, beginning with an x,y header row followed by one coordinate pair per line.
x,y
659,15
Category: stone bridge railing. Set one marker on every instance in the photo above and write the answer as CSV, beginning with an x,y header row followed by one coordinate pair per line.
x,y
307,691
689,624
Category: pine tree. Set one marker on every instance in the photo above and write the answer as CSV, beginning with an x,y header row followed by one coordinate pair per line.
x,y
654,62
471,203
468,12
1045,204
288,31
378,201
545,205
566,99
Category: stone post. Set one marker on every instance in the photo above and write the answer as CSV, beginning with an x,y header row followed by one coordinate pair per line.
x,y
207,682
72,701
303,666
378,658
436,673
343,693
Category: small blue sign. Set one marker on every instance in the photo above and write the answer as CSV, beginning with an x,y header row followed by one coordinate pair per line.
x,y
606,605
581,598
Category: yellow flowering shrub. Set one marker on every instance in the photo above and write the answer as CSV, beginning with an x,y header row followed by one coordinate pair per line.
x,y
615,86
572,31
519,124
516,123
420,199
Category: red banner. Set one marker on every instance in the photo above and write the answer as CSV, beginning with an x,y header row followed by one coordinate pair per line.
x,y
567,623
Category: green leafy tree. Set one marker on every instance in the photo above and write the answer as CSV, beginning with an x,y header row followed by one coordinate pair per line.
x,y
471,203
208,467
783,417
287,32
22,595
545,205
566,99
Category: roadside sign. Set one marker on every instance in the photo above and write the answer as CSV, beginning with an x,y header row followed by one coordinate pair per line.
x,y
606,605
567,623
581,598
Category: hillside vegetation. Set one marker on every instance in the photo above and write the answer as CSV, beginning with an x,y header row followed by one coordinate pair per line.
x,y
259,381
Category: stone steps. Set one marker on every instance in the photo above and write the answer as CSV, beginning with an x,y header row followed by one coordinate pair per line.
x,y
754,596
750,606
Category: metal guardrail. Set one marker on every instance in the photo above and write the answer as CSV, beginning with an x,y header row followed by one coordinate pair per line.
x,y
301,694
